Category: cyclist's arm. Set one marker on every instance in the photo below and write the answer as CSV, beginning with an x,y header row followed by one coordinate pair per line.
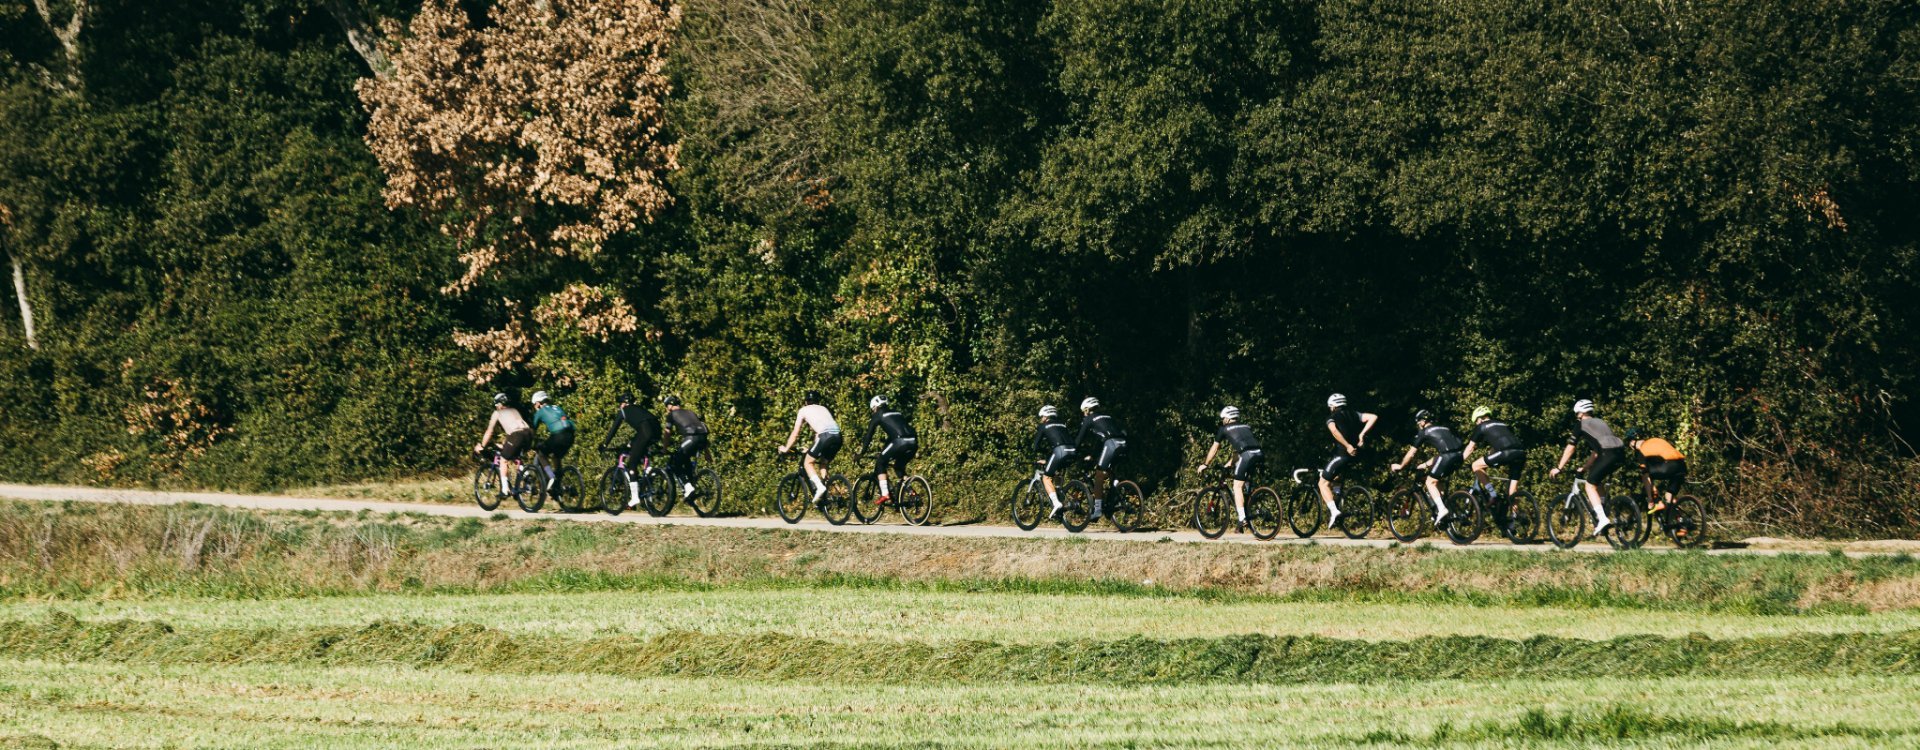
x,y
1407,459
1565,456
1366,425
1339,438
795,435
1081,439
1211,451
1467,452
488,435
866,438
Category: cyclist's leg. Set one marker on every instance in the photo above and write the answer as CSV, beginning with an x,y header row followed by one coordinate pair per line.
x,y
880,463
1480,477
1049,473
1330,476
1242,473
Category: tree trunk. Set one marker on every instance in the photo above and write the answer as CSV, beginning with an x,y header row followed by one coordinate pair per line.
x,y
26,308
68,34
362,36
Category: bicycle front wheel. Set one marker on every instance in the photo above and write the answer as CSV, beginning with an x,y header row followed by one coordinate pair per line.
x,y
1029,505
837,505
1076,506
1408,515
614,491
1686,522
1306,514
706,493
915,500
1523,519
790,500
866,500
1463,517
1212,511
1627,514
1263,513
1567,521
1127,507
486,487
569,484
1357,510
530,489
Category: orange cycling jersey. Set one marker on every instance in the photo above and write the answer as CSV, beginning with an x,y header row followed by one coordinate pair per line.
x,y
1660,449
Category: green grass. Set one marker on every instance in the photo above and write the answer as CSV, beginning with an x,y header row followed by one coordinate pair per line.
x,y
833,611
278,706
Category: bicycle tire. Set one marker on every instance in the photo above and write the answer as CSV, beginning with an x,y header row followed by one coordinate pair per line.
x,y
1127,507
1027,506
865,501
1358,510
486,487
1567,518
706,493
1305,514
1210,512
1263,513
916,500
1409,514
789,500
1686,524
528,491
1464,517
837,504
1643,528
1626,513
656,497
1076,506
571,484
614,491
1523,519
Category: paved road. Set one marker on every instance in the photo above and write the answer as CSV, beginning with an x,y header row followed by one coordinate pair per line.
x,y
284,502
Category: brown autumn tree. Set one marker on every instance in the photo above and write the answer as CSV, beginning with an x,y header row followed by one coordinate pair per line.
x,y
531,137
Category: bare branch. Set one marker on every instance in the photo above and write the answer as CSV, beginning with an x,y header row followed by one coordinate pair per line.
x,y
68,34
361,36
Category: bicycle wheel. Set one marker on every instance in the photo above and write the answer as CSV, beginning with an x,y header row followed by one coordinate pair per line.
x,y
1076,506
790,500
914,498
1627,514
486,487
530,489
1523,519
1408,514
1567,520
706,493
1643,530
1263,513
614,491
573,487
1028,505
1357,510
866,500
655,496
1305,515
1464,519
1685,522
1127,507
1212,511
837,505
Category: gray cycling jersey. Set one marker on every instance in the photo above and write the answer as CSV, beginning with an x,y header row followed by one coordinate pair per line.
x,y
1596,434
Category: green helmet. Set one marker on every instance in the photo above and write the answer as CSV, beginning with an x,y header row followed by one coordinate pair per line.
x,y
1482,412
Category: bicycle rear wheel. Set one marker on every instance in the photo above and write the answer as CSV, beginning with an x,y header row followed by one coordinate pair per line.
x,y
1212,510
1127,507
866,499
1357,510
1408,514
1305,515
655,496
1076,506
706,493
530,489
915,500
1263,513
486,487
1686,522
1627,514
790,500
614,491
1464,518
1522,525
572,488
1567,521
1028,505
837,505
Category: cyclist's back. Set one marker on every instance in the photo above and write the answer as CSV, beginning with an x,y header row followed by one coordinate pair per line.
x,y
1104,428
645,426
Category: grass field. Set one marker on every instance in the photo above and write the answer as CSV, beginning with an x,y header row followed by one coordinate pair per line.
x,y
145,627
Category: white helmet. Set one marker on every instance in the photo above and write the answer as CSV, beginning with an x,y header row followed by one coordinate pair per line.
x,y
1336,401
1048,412
876,402
1231,412
1583,406
1090,404
539,397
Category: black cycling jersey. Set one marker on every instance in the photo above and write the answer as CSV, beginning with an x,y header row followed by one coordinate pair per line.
x,y
1347,421
686,422
1595,434
1239,436
1103,428
1441,439
646,427
1496,436
893,422
1050,436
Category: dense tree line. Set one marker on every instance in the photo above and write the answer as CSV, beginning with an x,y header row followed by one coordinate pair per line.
x,y
1702,215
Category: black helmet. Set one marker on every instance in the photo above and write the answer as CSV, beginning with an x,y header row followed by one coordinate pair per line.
x,y
625,398
812,397
1423,416
671,400
1633,433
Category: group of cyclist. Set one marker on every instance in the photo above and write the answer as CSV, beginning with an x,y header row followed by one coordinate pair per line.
x,y
1057,446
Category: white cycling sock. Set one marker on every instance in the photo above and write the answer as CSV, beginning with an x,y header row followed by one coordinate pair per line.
x,y
883,485
818,486
1242,512
688,486
633,494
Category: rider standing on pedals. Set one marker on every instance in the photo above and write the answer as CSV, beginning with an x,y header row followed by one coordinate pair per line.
x,y
693,439
1609,453
1447,458
646,431
826,441
1247,448
1349,430
1113,445
1055,445
902,443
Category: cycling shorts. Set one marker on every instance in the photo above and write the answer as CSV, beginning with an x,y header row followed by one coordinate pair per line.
x,y
1604,464
557,445
1111,451
1513,460
1668,475
897,453
826,445
515,442
637,450
1338,464
1244,465
682,459
1445,465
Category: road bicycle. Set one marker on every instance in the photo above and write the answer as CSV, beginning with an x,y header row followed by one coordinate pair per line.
x,y
486,480
1306,513
912,496
1569,516
1122,502
537,481
655,486
1683,522
794,493
1409,512
1213,507
1515,516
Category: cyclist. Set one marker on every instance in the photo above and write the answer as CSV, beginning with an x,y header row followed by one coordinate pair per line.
x,y
1503,451
1054,443
1666,465
826,440
1247,446
514,434
1349,430
693,439
559,434
646,431
1608,453
1113,444
1446,459
902,443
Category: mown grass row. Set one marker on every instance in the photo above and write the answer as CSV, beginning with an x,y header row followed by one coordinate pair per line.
x,y
1237,659
81,551
1620,723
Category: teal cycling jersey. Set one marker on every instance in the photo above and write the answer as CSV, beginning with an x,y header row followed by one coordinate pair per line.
x,y
553,419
